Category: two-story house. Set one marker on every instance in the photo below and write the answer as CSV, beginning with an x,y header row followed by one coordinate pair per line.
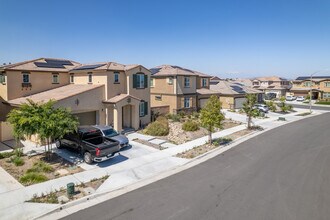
x,y
319,86
175,89
272,84
102,93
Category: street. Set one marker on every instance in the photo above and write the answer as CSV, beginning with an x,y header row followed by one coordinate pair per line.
x,y
281,174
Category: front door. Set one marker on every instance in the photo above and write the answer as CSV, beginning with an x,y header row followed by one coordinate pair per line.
x,y
127,116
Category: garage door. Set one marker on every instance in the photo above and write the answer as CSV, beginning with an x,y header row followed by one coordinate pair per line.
x,y
87,118
239,102
202,103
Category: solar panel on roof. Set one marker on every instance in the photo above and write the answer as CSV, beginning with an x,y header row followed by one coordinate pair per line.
x,y
49,65
61,62
89,67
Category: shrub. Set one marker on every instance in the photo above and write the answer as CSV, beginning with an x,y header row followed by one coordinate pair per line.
x,y
18,152
174,117
18,161
6,154
158,128
195,115
271,106
40,166
190,126
32,178
181,114
323,103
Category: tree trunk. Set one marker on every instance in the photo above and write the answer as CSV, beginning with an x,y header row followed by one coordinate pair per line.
x,y
249,122
210,136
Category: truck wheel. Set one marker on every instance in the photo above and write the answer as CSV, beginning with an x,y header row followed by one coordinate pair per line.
x,y
58,144
88,158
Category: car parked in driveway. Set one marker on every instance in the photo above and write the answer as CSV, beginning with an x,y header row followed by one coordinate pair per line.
x,y
110,133
90,143
261,108
289,98
300,98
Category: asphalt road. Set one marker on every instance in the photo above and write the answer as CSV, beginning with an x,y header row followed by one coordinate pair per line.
x,y
282,174
315,107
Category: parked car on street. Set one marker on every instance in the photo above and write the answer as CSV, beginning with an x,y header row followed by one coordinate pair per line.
x,y
262,107
90,142
300,98
110,133
289,98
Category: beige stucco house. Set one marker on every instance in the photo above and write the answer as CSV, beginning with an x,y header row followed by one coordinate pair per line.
x,y
320,86
105,93
175,89
272,84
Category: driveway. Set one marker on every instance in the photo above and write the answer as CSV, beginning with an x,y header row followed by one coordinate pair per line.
x,y
282,174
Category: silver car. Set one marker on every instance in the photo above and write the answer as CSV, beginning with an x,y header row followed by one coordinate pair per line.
x,y
111,133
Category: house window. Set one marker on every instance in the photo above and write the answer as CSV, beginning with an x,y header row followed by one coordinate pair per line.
x,y
26,78
204,82
55,78
71,78
326,95
187,82
143,109
327,84
187,102
170,80
307,84
158,97
90,77
116,77
3,78
152,82
140,81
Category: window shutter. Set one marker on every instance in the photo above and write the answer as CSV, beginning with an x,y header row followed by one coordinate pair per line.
x,y
134,80
145,108
191,102
145,81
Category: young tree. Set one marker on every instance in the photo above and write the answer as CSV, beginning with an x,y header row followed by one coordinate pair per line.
x,y
42,119
211,116
248,108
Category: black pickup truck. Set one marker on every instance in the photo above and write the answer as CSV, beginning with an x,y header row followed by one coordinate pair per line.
x,y
90,143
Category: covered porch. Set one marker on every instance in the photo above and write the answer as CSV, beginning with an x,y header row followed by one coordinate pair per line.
x,y
123,112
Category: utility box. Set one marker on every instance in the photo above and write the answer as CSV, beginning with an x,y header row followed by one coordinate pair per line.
x,y
70,189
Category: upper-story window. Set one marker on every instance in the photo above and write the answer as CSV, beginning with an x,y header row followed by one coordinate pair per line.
x,y
327,84
308,84
55,78
152,82
170,80
187,82
140,81
256,83
116,77
90,77
2,78
204,82
26,77
71,78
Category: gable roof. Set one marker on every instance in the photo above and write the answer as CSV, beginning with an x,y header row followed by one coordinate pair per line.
x,y
171,70
42,64
229,88
270,78
105,66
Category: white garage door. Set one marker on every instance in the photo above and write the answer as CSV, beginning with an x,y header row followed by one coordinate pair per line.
x,y
86,118
202,103
239,102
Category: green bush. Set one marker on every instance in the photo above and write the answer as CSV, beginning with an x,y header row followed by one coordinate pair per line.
x,y
271,105
40,166
158,128
6,154
18,161
174,117
195,115
190,126
323,103
18,152
32,178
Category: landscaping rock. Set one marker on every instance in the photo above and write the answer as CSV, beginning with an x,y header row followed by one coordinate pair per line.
x,y
63,199
62,172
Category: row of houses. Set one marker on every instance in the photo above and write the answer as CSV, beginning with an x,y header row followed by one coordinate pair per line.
x,y
125,96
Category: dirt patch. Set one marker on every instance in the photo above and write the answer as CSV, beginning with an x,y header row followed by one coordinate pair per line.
x,y
81,191
55,161
196,151
179,136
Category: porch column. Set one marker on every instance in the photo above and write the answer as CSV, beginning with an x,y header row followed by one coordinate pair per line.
x,y
135,117
117,119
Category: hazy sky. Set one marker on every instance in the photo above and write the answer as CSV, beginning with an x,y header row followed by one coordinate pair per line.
x,y
229,38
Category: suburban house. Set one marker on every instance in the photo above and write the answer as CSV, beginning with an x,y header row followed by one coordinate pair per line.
x,y
273,84
320,86
233,94
175,89
105,93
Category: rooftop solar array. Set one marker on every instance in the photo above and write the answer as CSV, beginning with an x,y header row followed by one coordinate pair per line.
x,y
52,63
314,77
89,67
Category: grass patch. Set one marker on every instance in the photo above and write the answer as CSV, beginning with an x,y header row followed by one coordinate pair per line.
x,y
322,103
50,198
6,154
32,178
18,161
40,167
